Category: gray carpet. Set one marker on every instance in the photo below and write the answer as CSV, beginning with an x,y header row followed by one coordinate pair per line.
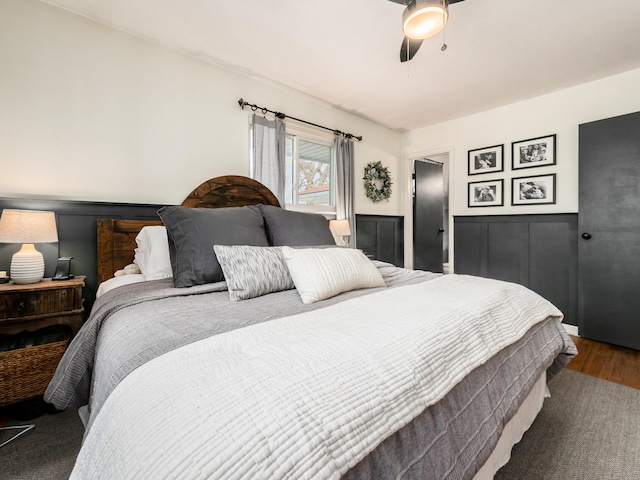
x,y
46,452
588,429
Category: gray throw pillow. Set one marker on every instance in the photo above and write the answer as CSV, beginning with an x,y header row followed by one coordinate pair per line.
x,y
289,228
253,271
192,232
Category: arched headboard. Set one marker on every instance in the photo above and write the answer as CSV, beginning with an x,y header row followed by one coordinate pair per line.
x,y
230,191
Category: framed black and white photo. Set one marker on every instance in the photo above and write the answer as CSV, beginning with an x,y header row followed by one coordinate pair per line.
x,y
486,194
536,190
486,160
535,152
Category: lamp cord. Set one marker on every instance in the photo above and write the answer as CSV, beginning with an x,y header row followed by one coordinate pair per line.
x,y
444,34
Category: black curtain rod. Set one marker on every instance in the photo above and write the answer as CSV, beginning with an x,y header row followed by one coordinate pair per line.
x,y
282,116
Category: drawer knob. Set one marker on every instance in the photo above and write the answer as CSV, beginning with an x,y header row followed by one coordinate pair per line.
x,y
20,308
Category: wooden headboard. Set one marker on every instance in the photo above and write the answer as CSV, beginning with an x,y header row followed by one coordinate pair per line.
x,y
117,237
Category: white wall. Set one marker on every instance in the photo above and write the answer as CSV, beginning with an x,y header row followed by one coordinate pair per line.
x,y
92,113
560,113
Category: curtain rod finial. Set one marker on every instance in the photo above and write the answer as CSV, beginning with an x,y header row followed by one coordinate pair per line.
x,y
242,103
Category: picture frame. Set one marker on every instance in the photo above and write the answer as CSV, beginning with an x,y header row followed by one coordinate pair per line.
x,y
534,190
489,193
486,160
533,152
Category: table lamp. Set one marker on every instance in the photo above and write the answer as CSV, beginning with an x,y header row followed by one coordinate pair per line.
x,y
340,228
27,227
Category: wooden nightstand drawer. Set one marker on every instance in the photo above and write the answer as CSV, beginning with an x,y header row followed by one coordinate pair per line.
x,y
24,304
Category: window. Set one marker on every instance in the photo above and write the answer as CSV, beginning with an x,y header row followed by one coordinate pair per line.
x,y
310,173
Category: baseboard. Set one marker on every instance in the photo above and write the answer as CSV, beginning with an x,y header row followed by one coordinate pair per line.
x,y
571,329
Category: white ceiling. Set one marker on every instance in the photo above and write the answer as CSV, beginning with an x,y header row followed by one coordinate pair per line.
x,y
346,52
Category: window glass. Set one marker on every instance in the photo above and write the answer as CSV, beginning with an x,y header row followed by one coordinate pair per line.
x,y
309,171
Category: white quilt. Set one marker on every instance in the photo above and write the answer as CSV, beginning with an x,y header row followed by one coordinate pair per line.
x,y
307,396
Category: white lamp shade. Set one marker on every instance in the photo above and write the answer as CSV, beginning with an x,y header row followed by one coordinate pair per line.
x,y
27,227
340,227
426,19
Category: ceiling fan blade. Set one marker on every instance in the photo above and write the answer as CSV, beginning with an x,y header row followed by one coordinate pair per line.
x,y
409,48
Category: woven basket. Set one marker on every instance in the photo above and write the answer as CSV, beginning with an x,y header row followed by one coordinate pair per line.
x,y
26,372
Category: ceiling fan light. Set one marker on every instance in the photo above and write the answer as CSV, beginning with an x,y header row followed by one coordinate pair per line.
x,y
424,18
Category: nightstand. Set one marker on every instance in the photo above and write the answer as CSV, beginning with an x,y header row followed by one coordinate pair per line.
x,y
37,322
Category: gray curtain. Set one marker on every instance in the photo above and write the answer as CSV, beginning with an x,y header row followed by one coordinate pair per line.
x,y
268,159
344,180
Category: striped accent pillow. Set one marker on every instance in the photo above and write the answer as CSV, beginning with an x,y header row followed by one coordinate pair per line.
x,y
253,271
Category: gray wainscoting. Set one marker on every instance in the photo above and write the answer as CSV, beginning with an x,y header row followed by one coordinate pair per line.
x,y
537,251
382,237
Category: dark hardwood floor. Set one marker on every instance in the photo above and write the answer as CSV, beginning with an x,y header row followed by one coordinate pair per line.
x,y
609,362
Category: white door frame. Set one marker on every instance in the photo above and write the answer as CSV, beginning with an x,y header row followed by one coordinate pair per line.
x,y
445,155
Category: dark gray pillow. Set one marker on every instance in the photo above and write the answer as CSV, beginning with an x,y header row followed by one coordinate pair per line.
x,y
193,232
289,228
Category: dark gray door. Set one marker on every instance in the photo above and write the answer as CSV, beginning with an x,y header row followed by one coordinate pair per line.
x,y
609,228
428,216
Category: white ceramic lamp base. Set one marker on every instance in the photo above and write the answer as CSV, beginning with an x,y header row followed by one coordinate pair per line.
x,y
27,265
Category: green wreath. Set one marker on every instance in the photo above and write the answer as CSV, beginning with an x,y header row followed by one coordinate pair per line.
x,y
377,183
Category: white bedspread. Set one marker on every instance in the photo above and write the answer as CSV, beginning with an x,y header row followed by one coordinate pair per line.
x,y
306,396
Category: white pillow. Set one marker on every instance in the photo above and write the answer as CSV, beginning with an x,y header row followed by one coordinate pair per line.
x,y
119,281
320,273
152,254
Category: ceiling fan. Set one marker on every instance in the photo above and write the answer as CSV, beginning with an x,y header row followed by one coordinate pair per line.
x,y
421,19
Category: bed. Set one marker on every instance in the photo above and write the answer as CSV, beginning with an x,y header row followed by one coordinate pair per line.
x,y
296,358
